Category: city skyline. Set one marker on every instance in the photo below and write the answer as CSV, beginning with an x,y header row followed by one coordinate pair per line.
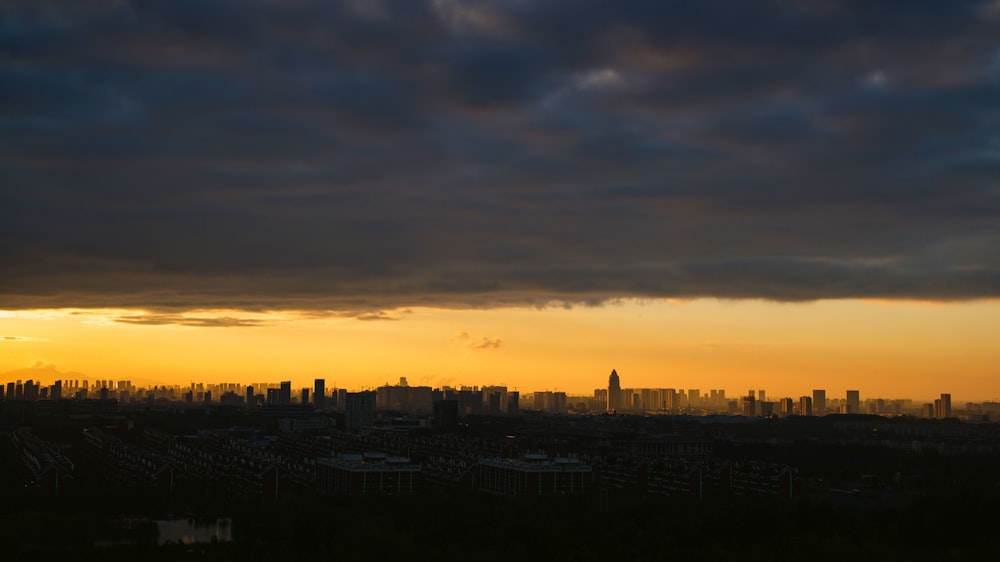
x,y
614,396
901,349
776,195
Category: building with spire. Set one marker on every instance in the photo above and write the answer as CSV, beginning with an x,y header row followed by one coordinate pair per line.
x,y
614,392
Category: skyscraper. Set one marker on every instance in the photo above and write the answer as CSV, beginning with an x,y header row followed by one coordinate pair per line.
x,y
285,393
319,393
614,392
853,402
805,406
819,402
359,409
944,409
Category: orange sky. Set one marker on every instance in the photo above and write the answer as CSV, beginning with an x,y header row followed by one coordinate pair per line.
x,y
884,348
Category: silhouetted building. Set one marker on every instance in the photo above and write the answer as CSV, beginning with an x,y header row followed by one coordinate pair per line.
x,y
404,398
359,409
787,407
614,392
928,410
513,403
819,402
658,446
285,393
368,474
942,408
493,403
470,402
319,393
853,402
805,406
550,402
446,414
533,475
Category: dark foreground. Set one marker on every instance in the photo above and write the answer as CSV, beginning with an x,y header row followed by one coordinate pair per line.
x,y
475,527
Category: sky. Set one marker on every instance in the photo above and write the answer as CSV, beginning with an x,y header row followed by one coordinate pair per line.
x,y
735,194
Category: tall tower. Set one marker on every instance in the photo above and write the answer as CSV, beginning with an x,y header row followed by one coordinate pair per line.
x,y
819,402
614,392
853,402
945,410
319,393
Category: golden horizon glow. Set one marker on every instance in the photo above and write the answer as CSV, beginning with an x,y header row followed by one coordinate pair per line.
x,y
903,349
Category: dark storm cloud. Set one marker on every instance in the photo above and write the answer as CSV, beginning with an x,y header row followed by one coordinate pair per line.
x,y
361,155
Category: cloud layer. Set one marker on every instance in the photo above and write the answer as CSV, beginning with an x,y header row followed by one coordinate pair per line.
x,y
367,155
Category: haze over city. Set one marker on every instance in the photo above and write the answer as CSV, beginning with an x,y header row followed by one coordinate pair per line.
x,y
743,195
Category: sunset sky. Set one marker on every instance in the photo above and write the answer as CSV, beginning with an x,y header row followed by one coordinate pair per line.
x,y
733,194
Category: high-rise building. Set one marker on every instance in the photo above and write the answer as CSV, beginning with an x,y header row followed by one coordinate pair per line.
x,y
251,400
928,410
513,403
787,407
600,397
305,397
614,392
853,402
819,402
359,409
805,406
285,393
669,398
943,409
319,393
446,414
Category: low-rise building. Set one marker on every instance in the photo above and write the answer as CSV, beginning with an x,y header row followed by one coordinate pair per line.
x,y
534,475
368,474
